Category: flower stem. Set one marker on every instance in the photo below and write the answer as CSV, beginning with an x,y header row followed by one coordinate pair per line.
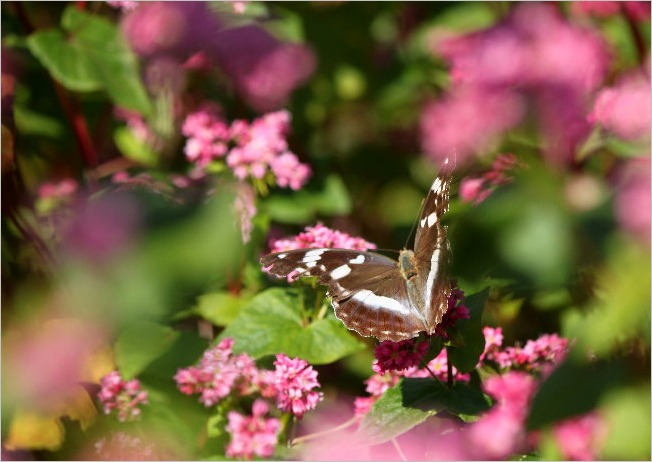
x,y
312,436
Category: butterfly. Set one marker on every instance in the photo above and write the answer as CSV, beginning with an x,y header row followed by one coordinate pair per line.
x,y
375,295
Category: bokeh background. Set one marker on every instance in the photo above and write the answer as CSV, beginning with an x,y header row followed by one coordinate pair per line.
x,y
125,245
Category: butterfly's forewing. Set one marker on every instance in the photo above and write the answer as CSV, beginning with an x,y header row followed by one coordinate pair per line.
x,y
367,289
432,251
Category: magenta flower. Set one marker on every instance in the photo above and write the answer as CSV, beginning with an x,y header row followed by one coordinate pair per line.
x,y
207,134
252,435
123,396
456,310
439,367
399,355
295,380
289,171
60,191
580,438
321,236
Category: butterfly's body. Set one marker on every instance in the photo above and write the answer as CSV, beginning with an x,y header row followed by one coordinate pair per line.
x,y
376,295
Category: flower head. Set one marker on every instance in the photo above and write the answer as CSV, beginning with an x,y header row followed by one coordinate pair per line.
x,y
399,355
124,396
295,381
319,236
252,435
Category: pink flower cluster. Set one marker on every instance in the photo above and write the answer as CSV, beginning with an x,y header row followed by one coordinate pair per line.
x,y
478,189
123,396
396,356
252,435
220,372
456,311
255,150
61,190
295,381
546,65
549,349
319,236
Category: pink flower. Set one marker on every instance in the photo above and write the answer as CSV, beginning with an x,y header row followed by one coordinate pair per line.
x,y
439,367
122,396
252,435
320,236
580,438
263,70
362,405
467,121
624,109
399,355
62,190
207,135
295,380
218,373
474,190
501,431
632,205
289,171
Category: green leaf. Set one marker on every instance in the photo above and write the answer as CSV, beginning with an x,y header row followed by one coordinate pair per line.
x,y
432,395
273,323
627,412
140,344
413,400
572,389
304,205
90,54
389,417
466,357
133,148
220,308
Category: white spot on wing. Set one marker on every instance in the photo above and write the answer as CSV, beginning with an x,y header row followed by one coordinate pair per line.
x,y
281,256
357,260
368,298
432,276
432,219
340,272
311,264
315,253
436,185
423,222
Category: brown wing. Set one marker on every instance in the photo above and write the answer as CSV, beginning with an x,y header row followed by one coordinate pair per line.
x,y
432,251
367,289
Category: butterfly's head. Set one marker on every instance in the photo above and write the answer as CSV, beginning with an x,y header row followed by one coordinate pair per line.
x,y
407,264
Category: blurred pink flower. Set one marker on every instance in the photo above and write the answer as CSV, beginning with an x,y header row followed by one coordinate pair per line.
x,y
399,355
467,121
624,109
46,362
173,29
535,355
580,438
320,236
263,70
124,5
632,204
289,171
640,11
474,190
533,56
123,446
252,435
61,190
123,396
295,380
439,367
501,431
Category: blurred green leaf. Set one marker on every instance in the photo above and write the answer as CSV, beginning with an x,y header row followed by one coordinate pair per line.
x,y
133,148
90,54
621,308
466,357
140,344
389,417
220,308
627,414
273,323
303,206
571,390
